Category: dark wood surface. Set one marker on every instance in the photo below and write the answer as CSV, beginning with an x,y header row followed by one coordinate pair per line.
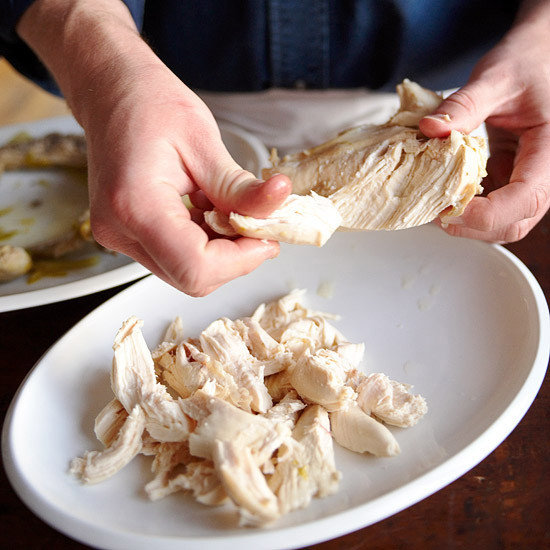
x,y
503,503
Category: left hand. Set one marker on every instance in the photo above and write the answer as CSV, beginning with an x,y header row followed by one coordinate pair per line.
x,y
509,90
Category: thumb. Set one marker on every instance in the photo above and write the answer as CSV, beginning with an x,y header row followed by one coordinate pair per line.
x,y
232,189
247,195
464,110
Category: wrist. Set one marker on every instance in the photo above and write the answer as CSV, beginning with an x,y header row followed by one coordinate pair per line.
x,y
91,47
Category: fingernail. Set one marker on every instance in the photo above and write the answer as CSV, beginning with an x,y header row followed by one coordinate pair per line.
x,y
440,117
274,248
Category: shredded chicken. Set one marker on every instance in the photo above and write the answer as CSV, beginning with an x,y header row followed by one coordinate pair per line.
x,y
248,412
308,219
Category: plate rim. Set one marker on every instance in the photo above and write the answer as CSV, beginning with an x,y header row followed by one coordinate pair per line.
x,y
327,528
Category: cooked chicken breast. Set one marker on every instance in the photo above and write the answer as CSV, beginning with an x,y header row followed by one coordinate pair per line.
x,y
134,383
96,466
390,176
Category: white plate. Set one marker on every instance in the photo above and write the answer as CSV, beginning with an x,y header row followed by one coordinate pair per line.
x,y
464,322
62,195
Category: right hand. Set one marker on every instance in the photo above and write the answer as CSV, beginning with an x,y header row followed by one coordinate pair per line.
x,y
152,145
151,140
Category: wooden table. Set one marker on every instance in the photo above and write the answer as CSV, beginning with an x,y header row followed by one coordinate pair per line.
x,y
502,503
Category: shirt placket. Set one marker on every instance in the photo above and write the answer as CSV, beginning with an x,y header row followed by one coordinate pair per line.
x,y
299,43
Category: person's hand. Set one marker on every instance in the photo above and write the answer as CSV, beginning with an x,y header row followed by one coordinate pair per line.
x,y
509,90
150,141
158,143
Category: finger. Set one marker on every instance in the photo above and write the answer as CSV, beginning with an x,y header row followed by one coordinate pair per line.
x,y
249,196
526,197
509,234
182,251
503,146
135,251
200,200
464,110
227,185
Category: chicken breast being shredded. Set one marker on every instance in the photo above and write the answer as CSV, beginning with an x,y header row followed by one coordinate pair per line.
x,y
390,176
202,409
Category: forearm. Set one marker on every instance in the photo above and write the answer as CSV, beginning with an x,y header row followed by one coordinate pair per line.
x,y
91,47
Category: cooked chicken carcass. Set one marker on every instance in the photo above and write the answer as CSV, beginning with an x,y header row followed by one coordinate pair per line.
x,y
308,219
53,149
390,176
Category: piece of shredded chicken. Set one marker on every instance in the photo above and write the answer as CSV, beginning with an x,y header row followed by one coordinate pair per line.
x,y
307,219
248,412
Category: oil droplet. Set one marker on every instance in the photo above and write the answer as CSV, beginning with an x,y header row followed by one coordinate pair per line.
x,y
5,235
58,268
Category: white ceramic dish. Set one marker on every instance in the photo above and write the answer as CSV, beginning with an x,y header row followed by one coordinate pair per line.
x,y
464,322
51,200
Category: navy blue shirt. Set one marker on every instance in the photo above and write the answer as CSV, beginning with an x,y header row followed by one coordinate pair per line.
x,y
252,45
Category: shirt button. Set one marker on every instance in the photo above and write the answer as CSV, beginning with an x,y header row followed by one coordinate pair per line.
x,y
300,84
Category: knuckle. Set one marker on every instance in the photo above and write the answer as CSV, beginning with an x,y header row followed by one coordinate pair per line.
x,y
539,199
517,231
485,220
191,280
101,229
